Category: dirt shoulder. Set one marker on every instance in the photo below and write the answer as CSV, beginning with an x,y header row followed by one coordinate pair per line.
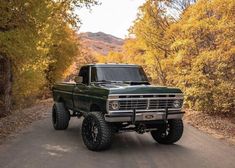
x,y
218,126
20,119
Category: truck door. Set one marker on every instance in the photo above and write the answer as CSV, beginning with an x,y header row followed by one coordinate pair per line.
x,y
81,99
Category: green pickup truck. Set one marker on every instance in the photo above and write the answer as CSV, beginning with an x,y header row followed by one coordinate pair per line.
x,y
115,98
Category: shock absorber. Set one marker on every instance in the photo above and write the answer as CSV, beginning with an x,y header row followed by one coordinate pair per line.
x,y
141,128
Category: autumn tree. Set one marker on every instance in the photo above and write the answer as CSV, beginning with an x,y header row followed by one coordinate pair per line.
x,y
37,39
149,30
193,49
204,56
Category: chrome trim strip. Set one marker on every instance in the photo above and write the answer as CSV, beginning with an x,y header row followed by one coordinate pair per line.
x,y
89,83
148,104
181,94
150,98
96,97
62,91
141,117
146,110
72,93
107,106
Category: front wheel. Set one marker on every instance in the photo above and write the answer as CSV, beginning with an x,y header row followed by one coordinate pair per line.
x,y
170,134
96,132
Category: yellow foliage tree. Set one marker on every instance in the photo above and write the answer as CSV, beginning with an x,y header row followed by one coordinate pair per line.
x,y
37,38
204,56
194,51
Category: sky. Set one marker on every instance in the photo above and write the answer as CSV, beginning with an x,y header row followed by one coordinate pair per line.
x,y
112,17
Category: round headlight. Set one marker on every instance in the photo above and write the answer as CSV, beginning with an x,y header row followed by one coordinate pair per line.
x,y
114,105
177,104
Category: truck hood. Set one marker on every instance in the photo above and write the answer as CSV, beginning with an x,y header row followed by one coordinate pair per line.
x,y
139,89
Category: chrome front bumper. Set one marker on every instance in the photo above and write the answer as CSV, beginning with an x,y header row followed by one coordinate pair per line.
x,y
142,116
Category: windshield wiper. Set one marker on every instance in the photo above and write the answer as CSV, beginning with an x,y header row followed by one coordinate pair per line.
x,y
124,82
107,81
136,82
102,81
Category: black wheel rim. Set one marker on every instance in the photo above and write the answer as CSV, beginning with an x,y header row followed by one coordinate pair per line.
x,y
166,132
91,130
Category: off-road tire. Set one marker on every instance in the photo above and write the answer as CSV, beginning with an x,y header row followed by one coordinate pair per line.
x,y
60,116
176,128
104,136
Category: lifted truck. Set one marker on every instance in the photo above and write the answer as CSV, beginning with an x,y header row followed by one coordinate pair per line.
x,y
115,98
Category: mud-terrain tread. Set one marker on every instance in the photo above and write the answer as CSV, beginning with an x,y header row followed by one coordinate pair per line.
x,y
176,131
62,116
105,130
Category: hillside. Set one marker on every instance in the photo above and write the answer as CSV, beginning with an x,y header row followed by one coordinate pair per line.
x,y
100,42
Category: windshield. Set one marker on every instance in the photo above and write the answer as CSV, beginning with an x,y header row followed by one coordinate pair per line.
x,y
123,74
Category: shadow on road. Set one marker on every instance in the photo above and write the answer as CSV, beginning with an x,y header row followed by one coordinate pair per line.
x,y
130,141
132,149
42,146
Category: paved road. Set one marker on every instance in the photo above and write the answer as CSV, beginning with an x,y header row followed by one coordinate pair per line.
x,y
41,147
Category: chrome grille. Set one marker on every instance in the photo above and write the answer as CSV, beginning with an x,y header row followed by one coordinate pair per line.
x,y
146,102
161,104
133,104
143,104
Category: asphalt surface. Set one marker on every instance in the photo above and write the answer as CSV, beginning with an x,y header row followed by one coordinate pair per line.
x,y
40,146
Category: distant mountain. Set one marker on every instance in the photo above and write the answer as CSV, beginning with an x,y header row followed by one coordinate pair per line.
x,y
100,42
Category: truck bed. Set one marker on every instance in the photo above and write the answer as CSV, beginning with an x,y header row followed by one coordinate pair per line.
x,y
64,92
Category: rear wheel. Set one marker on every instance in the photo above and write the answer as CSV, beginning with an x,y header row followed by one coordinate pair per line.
x,y
60,116
96,132
170,134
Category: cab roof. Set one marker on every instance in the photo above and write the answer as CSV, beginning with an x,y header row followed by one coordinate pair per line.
x,y
112,65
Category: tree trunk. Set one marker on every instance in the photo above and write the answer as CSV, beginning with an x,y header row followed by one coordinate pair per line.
x,y
8,86
5,86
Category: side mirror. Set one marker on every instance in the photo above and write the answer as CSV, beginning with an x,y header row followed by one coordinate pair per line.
x,y
150,79
78,79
